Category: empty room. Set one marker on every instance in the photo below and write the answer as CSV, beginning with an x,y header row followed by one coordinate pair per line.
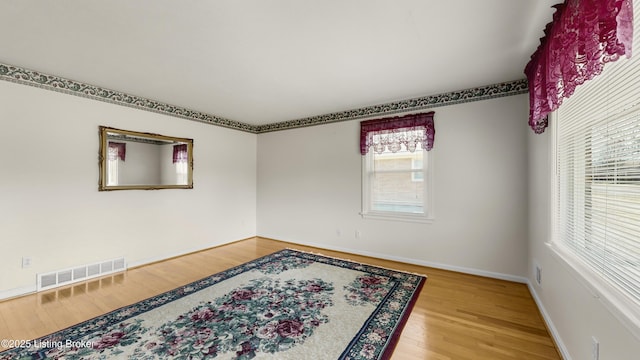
x,y
303,179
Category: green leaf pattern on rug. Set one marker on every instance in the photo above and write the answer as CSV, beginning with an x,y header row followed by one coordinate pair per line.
x,y
106,344
367,289
265,316
284,264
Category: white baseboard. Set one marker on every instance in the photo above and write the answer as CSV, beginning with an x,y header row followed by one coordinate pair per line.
x,y
167,256
564,352
460,269
11,293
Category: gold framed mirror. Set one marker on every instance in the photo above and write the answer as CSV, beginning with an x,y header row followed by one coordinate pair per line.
x,y
131,160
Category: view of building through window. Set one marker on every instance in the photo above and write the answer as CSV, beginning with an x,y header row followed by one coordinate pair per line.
x,y
397,181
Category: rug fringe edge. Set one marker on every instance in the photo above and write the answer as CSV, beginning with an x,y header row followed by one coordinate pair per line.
x,y
353,261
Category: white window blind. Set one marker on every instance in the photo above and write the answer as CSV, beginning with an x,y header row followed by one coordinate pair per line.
x,y
397,185
597,185
393,181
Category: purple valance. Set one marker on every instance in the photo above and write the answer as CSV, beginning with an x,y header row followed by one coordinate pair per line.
x,y
117,150
391,133
180,153
583,36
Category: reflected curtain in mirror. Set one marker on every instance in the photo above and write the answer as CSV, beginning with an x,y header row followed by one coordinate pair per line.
x,y
180,157
117,150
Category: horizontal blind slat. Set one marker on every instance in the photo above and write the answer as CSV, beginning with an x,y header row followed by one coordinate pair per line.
x,y
598,172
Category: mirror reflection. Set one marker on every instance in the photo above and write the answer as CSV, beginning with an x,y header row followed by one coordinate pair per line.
x,y
133,160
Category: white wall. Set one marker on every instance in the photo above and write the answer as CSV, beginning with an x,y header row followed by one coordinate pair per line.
x,y
309,191
136,169
50,207
491,194
575,315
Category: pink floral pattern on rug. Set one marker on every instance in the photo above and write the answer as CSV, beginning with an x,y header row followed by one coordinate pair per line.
x,y
265,316
272,311
367,289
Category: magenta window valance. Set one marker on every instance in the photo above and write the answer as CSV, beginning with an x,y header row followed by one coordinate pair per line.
x,y
180,153
117,150
583,36
390,133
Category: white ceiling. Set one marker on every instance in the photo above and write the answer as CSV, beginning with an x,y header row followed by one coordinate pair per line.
x,y
267,61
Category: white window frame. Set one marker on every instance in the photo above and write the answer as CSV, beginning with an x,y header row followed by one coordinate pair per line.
x,y
427,176
112,168
610,96
622,306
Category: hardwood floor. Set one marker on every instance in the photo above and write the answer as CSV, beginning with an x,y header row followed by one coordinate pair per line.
x,y
457,316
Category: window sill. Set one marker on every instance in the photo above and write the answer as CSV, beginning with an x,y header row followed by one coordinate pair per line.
x,y
406,217
623,308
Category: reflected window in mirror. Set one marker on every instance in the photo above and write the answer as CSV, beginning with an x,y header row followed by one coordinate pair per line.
x,y
180,161
116,154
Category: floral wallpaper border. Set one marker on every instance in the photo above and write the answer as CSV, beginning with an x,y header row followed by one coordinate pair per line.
x,y
427,102
51,82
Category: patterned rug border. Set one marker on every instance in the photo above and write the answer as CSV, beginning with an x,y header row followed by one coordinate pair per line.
x,y
357,262
78,331
397,330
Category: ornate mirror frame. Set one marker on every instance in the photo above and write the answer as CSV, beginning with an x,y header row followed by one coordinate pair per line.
x,y
155,161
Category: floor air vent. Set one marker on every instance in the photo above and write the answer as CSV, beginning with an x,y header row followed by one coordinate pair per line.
x,y
79,273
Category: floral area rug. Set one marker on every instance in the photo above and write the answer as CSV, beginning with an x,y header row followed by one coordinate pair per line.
x,y
287,305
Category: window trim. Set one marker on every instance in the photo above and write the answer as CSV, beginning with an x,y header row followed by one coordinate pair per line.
x,y
427,217
623,308
414,178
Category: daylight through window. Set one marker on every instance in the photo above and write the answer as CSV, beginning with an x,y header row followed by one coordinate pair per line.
x,y
597,184
396,169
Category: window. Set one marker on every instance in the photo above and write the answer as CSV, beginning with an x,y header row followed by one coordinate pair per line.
x,y
417,165
394,184
116,153
396,171
597,186
180,160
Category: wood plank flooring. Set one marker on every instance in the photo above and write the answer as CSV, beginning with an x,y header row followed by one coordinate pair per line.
x,y
456,317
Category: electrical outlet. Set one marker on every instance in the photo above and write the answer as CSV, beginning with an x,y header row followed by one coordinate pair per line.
x,y
358,234
538,274
595,348
26,262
